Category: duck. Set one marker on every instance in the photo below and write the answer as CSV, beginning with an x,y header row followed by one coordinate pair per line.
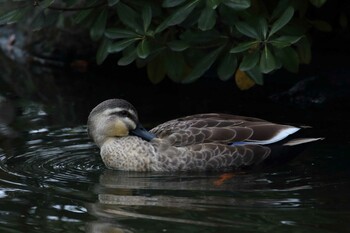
x,y
200,142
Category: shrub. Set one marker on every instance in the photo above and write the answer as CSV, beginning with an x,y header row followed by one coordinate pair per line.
x,y
183,39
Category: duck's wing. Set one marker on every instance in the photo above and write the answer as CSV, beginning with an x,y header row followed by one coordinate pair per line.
x,y
211,156
221,128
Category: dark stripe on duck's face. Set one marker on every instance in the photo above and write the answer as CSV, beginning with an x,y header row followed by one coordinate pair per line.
x,y
142,133
124,113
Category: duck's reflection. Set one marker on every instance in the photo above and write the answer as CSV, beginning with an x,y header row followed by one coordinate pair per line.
x,y
102,227
194,199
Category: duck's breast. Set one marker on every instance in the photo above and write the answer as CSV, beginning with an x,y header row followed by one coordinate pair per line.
x,y
127,153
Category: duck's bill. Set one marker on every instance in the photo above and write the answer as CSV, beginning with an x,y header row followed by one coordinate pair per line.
x,y
142,133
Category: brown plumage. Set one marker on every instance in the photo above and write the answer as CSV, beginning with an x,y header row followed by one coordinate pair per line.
x,y
199,142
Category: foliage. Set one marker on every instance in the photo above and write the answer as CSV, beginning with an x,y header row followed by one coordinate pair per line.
x,y
183,39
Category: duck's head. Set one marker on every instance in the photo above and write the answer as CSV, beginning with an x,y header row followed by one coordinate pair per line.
x,y
115,118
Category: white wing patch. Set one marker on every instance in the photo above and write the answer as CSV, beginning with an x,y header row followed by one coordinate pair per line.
x,y
282,134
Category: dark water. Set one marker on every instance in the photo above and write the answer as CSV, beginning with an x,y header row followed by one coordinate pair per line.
x,y
53,180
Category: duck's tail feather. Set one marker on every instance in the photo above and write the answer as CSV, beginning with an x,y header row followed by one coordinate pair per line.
x,y
289,149
298,141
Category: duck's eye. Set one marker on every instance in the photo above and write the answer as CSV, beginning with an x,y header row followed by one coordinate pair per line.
x,y
123,113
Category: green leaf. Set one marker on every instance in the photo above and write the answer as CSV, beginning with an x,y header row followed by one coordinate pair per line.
x,y
213,4
178,45
112,2
129,17
117,33
249,61
207,19
228,16
284,41
46,3
129,55
304,50
174,65
42,20
202,66
227,67
13,16
244,46
172,3
322,25
247,30
143,49
121,45
237,4
262,28
149,33
282,21
178,16
280,8
256,75
318,3
156,70
80,16
38,21
99,26
102,51
267,61
146,17
289,58
278,62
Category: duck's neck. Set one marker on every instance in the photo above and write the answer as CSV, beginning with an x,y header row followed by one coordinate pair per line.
x,y
101,140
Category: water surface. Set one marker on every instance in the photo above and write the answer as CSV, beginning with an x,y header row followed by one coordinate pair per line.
x,y
53,180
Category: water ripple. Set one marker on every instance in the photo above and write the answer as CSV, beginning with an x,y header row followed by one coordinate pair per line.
x,y
61,155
